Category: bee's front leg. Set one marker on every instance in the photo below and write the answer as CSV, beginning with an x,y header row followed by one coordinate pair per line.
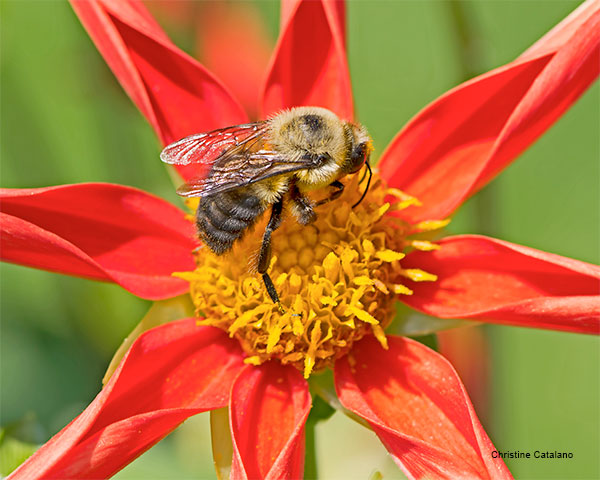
x,y
302,207
340,189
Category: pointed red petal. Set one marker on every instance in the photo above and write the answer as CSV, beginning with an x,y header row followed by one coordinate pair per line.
x,y
99,231
309,65
170,373
176,94
417,406
463,139
336,8
286,11
482,278
232,38
269,406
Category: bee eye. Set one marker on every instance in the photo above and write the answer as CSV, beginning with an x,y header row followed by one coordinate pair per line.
x,y
358,157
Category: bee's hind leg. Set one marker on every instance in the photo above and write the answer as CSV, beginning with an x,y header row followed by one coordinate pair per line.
x,y
264,257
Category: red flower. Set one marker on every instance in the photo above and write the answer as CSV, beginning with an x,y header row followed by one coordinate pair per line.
x,y
411,396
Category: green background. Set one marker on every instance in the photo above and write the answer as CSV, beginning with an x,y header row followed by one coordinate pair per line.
x,y
65,119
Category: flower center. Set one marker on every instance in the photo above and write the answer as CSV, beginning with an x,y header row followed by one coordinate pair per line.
x,y
337,279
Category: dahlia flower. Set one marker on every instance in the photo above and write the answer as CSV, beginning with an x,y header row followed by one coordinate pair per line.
x,y
340,278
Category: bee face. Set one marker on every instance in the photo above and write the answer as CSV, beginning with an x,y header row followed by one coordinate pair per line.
x,y
359,149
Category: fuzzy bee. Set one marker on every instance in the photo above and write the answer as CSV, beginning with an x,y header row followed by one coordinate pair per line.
x,y
245,169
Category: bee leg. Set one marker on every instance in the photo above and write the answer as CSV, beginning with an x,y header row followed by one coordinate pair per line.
x,y
264,257
302,207
340,188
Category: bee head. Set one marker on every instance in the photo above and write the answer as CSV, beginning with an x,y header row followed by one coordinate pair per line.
x,y
361,148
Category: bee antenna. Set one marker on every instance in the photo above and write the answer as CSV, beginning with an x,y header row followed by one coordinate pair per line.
x,y
364,175
367,187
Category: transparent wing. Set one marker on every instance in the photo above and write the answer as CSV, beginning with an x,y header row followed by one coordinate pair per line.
x,y
205,148
244,167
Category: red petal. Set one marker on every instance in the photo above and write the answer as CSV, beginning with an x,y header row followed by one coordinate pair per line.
x,y
482,278
99,231
337,8
176,94
309,65
286,11
417,406
170,373
462,140
269,406
233,39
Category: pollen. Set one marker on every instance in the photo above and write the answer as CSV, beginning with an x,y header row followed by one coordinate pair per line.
x,y
337,278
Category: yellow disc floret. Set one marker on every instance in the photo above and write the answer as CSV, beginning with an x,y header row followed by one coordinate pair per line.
x,y
337,280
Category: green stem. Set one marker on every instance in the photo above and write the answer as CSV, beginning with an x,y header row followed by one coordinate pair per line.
x,y
467,40
470,59
320,411
310,459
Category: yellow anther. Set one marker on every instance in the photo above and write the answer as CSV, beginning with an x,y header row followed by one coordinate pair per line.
x,y
382,287
418,275
361,315
424,245
332,265
328,301
368,247
380,336
430,225
274,336
380,212
400,289
408,203
254,360
389,255
362,280
309,361
297,326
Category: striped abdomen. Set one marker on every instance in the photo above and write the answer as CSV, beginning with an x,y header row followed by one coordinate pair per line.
x,y
223,218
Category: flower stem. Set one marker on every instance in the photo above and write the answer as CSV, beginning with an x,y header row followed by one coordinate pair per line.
x,y
320,410
471,63
471,60
310,459
467,40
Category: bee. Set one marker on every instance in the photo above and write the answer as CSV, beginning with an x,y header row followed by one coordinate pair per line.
x,y
246,169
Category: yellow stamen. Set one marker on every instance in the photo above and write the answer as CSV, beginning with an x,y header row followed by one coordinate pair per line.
x,y
254,360
430,225
417,275
389,255
337,280
424,245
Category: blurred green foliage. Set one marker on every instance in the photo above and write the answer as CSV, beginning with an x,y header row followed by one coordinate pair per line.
x,y
65,119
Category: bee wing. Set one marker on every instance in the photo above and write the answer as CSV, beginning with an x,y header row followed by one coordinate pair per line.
x,y
205,148
243,168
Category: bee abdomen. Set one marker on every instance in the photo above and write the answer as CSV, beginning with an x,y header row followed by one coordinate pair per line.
x,y
223,218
